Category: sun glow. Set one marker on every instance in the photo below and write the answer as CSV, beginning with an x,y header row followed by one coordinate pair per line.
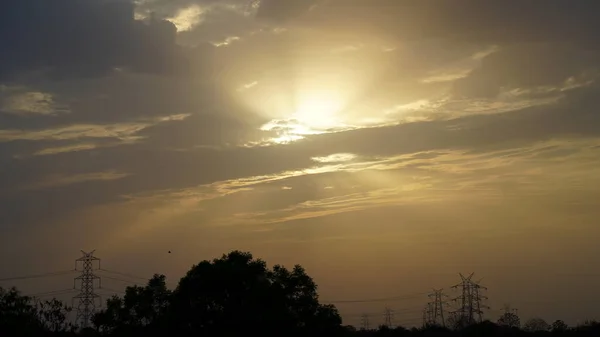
x,y
319,111
316,112
305,91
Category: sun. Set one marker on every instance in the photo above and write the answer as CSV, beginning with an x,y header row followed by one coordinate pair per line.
x,y
319,111
314,112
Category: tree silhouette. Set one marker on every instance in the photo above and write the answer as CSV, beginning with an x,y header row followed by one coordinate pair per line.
x,y
559,326
536,325
139,308
230,296
18,316
53,314
509,320
238,294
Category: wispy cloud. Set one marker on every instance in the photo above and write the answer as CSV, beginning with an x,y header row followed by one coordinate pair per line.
x,y
425,177
65,149
25,103
123,131
64,180
335,158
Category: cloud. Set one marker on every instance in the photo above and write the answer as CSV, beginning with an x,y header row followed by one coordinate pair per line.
x,y
122,131
71,38
65,149
208,173
528,66
461,20
60,180
334,158
15,100
187,18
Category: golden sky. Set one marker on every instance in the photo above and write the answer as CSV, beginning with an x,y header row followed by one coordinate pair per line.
x,y
385,145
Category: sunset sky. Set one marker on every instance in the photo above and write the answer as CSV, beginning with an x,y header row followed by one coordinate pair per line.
x,y
385,145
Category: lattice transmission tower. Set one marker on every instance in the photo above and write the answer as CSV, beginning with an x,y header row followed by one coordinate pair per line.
x,y
434,312
478,299
87,297
388,316
365,322
427,314
469,301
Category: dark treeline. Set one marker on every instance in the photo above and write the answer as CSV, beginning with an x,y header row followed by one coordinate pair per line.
x,y
235,295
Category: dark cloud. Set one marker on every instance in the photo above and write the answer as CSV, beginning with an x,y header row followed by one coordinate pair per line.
x,y
83,38
472,20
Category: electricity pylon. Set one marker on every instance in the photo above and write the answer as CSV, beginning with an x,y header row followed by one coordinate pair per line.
x,y
388,317
365,322
510,317
435,308
470,306
427,312
478,299
87,297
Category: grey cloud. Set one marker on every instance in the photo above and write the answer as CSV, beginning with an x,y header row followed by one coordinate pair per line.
x,y
71,38
528,65
467,20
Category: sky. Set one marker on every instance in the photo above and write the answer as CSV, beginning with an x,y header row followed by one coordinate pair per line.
x,y
385,145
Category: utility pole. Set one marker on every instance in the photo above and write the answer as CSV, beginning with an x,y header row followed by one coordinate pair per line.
x,y
470,306
365,322
388,317
87,297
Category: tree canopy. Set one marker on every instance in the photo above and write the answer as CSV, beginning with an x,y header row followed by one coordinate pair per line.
x,y
227,296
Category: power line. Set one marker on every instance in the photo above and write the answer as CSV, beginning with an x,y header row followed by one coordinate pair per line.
x,y
397,312
53,292
26,277
113,290
119,279
382,299
123,274
145,279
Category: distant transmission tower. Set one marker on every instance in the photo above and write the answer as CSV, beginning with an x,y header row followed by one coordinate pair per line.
x,y
478,299
427,312
435,308
470,306
510,317
87,297
509,310
365,322
388,317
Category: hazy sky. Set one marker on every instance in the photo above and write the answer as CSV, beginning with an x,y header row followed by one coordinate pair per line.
x,y
385,145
